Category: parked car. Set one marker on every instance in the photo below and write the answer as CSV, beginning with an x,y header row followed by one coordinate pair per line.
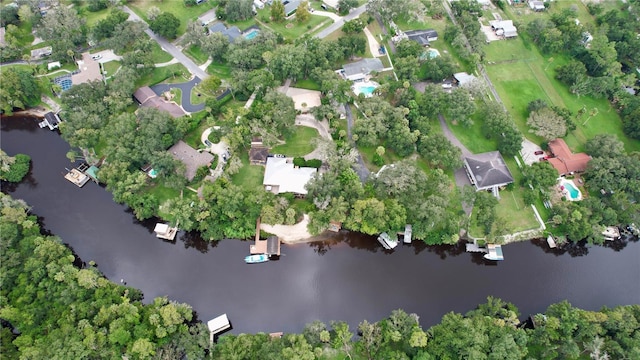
x,y
539,152
96,57
208,143
279,156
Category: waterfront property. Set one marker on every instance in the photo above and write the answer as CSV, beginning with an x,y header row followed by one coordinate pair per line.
x,y
564,160
494,252
77,175
190,157
488,171
51,120
145,97
164,231
365,87
281,176
569,189
359,70
89,70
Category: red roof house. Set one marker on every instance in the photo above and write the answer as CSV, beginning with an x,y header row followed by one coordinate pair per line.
x,y
564,160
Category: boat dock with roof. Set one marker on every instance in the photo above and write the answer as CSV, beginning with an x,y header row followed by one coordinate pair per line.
x,y
77,175
492,251
386,241
164,231
269,246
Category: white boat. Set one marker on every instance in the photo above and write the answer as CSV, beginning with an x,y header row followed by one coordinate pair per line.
x,y
386,241
494,252
407,234
257,258
551,242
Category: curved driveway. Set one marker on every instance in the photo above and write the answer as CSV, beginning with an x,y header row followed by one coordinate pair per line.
x,y
185,88
338,23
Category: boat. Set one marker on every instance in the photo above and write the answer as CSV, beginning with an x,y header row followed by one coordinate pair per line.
x,y
494,252
407,234
611,233
386,241
255,259
551,242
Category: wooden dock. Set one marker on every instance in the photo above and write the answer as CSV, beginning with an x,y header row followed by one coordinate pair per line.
x,y
269,246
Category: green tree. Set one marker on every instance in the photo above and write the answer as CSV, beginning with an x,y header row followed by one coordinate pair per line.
x,y
547,123
302,12
19,90
239,10
216,45
277,11
540,175
14,169
604,145
344,6
437,150
165,25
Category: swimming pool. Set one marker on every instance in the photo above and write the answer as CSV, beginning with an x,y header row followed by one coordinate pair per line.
x,y
367,88
64,81
570,190
430,54
251,34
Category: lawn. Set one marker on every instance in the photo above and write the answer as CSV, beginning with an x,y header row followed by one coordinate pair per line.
x,y
196,54
249,176
300,143
175,7
176,95
307,84
193,137
172,72
111,67
223,71
163,193
92,18
195,99
472,137
291,29
520,74
159,55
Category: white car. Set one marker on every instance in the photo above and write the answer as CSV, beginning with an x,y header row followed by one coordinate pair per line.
x,y
96,57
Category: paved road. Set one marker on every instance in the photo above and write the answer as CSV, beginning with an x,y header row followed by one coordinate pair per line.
x,y
338,23
360,167
169,47
186,93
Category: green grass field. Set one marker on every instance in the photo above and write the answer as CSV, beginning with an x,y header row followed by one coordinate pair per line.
x,y
307,84
249,176
223,71
196,54
175,7
111,67
172,74
159,55
298,144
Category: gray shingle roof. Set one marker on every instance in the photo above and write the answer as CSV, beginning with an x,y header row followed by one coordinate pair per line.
x,y
364,66
488,170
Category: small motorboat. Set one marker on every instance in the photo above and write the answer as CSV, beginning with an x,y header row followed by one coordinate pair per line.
x,y
254,259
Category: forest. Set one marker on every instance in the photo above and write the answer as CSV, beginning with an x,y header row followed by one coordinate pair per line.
x,y
55,306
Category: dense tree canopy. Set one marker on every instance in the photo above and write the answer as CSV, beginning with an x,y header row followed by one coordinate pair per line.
x,y
165,25
19,90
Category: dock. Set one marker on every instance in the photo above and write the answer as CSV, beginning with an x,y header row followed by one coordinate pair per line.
x,y
218,325
551,242
164,231
269,246
494,252
386,241
77,177
406,236
51,120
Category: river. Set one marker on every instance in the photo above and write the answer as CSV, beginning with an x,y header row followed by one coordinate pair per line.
x,y
347,278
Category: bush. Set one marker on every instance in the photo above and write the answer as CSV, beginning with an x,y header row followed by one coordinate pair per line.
x,y
378,160
18,170
314,163
299,161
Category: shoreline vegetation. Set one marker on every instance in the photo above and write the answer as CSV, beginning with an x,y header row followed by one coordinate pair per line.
x,y
85,315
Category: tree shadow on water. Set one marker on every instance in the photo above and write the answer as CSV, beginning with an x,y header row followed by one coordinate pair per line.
x,y
574,249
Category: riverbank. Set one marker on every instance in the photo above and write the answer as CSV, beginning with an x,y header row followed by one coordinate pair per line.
x,y
290,234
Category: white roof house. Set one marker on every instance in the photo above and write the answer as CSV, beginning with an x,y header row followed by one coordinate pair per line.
x,y
280,176
360,69
504,28
464,79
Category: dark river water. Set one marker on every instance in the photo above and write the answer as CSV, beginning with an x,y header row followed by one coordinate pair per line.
x,y
348,278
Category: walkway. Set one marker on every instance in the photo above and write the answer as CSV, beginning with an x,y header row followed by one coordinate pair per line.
x,y
169,47
185,88
221,149
339,22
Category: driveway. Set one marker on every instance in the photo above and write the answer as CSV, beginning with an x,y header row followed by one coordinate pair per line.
x,y
185,88
360,167
338,23
169,47
374,46
452,138
106,56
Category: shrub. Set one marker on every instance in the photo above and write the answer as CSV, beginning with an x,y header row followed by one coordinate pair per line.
x,y
314,163
18,170
299,161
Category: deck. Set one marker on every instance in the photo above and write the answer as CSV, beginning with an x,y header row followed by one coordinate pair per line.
x,y
77,177
269,246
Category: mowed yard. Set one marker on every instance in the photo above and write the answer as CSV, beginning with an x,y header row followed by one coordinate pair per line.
x,y
175,7
521,74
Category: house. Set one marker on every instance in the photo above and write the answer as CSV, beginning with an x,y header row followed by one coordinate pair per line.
x,y
464,79
487,171
280,176
357,71
258,4
564,160
190,157
258,153
331,4
422,37
89,70
231,33
145,97
41,52
504,28
290,7
536,5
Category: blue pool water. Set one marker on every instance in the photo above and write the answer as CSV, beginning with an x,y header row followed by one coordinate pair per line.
x,y
251,34
64,82
574,193
365,88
